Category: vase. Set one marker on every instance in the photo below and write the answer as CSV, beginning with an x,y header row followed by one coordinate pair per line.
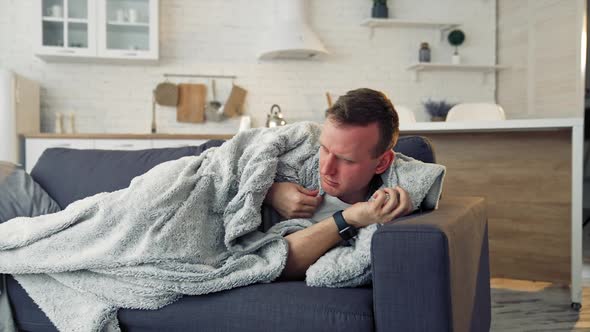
x,y
424,53
380,10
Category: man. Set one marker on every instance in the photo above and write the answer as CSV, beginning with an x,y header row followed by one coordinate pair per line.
x,y
355,148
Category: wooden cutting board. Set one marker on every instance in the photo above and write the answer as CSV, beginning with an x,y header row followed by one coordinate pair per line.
x,y
235,101
191,103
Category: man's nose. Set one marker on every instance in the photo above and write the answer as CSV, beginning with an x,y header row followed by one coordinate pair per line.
x,y
328,166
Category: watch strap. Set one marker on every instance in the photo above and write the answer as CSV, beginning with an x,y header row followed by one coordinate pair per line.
x,y
345,230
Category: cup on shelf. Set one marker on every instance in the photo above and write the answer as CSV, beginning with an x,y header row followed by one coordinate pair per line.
x,y
120,15
55,11
132,15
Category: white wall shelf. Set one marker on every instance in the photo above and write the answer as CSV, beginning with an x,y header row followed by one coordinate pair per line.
x,y
394,22
485,69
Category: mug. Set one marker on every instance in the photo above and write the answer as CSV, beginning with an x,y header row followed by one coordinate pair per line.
x,y
120,15
132,15
54,11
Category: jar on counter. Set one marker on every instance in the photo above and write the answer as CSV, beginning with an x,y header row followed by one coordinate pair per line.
x,y
424,53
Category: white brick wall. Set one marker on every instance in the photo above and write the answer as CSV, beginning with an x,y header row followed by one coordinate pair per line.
x,y
222,37
541,42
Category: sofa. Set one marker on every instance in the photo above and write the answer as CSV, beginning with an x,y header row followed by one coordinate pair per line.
x,y
430,270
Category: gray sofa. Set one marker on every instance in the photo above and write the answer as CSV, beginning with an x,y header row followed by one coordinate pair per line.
x,y
430,269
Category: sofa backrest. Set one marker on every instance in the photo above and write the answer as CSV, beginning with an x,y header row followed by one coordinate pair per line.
x,y
69,174
417,147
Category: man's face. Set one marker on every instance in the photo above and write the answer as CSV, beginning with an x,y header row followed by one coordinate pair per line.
x,y
347,162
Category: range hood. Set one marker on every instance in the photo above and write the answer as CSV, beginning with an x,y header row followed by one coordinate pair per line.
x,y
290,37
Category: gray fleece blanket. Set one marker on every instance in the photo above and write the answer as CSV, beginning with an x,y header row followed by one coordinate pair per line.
x,y
186,227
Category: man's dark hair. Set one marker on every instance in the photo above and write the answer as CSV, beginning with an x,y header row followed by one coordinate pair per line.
x,y
362,107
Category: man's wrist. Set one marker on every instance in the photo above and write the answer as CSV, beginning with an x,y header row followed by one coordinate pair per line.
x,y
350,218
345,230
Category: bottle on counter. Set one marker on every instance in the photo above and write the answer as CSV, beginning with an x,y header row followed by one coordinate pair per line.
x,y
59,129
72,123
424,53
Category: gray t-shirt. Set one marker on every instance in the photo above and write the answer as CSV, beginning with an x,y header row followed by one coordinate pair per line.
x,y
328,207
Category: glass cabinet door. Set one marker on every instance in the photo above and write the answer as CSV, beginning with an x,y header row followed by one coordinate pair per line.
x,y
66,26
130,28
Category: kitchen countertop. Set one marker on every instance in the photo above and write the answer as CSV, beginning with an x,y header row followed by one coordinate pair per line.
x,y
418,127
127,136
493,126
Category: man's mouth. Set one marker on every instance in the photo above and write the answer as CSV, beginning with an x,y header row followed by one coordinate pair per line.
x,y
330,183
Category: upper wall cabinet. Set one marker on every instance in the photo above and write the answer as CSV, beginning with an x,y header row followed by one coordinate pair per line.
x,y
67,28
111,30
128,29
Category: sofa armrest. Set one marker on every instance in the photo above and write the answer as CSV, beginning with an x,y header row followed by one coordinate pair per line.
x,y
431,270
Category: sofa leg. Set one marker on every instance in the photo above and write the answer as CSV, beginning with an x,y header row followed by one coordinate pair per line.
x,y
576,306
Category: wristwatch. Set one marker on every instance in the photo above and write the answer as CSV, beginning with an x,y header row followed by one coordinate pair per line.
x,y
345,230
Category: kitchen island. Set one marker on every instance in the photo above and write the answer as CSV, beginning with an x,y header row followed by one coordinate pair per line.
x,y
531,174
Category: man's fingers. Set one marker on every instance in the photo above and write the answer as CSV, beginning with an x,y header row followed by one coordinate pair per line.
x,y
392,200
404,206
404,200
308,192
313,201
306,209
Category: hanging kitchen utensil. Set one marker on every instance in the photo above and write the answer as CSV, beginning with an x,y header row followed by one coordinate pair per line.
x,y
235,101
191,103
166,94
213,111
154,126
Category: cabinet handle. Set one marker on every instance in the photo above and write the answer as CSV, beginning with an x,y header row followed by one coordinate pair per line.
x,y
66,51
64,145
128,145
130,54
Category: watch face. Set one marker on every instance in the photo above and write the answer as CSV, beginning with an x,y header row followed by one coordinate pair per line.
x,y
348,233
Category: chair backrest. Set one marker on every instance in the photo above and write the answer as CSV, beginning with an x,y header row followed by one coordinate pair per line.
x,y
405,114
476,112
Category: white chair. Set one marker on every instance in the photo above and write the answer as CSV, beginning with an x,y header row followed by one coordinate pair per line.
x,y
476,112
405,114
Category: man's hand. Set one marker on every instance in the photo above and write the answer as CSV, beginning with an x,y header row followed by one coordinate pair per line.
x,y
292,200
386,205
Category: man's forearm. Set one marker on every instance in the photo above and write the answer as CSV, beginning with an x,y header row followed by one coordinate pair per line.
x,y
307,245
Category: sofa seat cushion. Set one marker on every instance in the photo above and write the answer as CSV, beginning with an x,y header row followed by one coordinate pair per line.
x,y
279,306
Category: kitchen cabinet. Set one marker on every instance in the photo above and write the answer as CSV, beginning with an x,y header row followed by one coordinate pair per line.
x,y
67,28
122,144
98,30
128,29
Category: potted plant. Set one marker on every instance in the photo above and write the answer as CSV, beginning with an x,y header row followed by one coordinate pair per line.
x,y
456,38
437,109
380,9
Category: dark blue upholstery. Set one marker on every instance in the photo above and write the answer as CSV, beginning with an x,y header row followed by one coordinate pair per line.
x,y
69,175
417,147
411,276
280,306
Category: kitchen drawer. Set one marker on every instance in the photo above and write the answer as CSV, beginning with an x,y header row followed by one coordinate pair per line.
x,y
122,144
174,143
34,147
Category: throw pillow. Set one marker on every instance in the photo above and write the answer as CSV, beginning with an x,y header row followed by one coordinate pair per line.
x,y
21,196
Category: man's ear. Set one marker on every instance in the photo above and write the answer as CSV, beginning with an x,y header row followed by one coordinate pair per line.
x,y
385,161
